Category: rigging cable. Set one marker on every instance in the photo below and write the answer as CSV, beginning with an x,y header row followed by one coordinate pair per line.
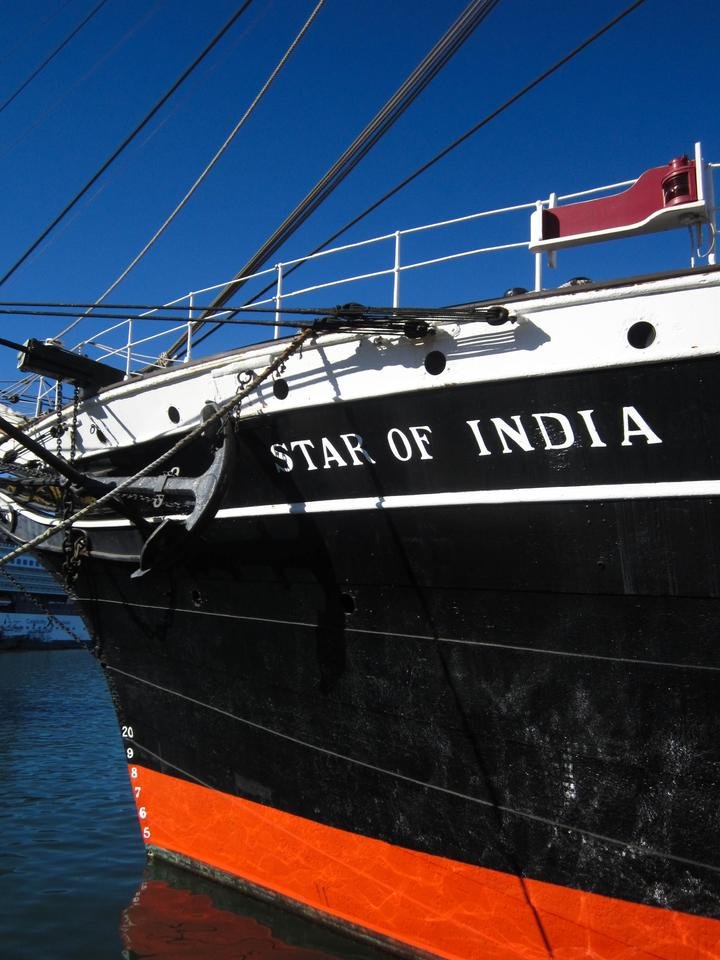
x,y
49,109
456,143
43,22
236,129
131,136
478,126
451,41
150,313
52,56
487,119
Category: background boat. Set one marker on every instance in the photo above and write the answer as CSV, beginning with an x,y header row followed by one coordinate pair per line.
x,y
36,613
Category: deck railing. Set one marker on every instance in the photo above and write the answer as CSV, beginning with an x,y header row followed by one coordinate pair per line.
x,y
130,342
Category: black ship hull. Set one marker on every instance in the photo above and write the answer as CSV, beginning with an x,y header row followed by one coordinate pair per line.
x,y
531,732
443,667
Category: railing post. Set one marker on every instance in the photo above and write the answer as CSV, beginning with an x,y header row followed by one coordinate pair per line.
x,y
552,254
128,350
188,345
538,272
396,271
278,300
710,199
539,207
38,404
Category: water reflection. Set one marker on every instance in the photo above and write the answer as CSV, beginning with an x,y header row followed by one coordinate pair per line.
x,y
176,915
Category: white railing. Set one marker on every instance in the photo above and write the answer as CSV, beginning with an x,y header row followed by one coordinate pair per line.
x,y
122,339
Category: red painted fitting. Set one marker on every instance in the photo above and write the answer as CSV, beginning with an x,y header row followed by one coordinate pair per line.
x,y
679,185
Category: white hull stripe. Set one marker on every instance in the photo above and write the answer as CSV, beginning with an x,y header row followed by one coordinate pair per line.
x,y
591,492
610,491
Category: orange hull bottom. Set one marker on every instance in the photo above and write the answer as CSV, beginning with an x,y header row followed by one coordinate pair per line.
x,y
432,905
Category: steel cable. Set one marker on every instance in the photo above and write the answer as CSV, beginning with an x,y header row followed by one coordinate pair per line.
x,y
216,157
126,142
451,41
38,70
446,150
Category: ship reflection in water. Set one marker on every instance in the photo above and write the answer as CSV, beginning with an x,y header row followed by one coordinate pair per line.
x,y
175,914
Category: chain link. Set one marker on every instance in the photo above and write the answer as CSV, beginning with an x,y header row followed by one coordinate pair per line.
x,y
75,549
75,545
74,424
59,429
156,501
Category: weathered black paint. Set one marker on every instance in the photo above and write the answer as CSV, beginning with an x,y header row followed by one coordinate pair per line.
x,y
593,711
528,687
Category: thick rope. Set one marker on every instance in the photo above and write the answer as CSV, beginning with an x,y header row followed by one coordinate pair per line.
x,y
295,344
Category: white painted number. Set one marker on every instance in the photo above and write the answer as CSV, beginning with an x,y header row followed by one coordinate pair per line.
x,y
130,753
128,732
138,791
133,773
142,813
146,833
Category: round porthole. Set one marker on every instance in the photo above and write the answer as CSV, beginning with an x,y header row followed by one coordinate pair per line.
x,y
173,414
280,388
641,334
435,362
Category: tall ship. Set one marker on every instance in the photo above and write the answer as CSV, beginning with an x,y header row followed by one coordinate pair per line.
x,y
410,613
410,618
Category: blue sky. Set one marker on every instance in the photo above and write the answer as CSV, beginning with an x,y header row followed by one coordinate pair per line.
x,y
641,95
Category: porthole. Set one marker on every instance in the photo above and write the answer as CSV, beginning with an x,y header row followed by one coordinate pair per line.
x,y
197,598
435,362
641,335
280,388
348,602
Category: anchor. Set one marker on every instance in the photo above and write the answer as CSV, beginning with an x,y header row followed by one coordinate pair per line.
x,y
207,489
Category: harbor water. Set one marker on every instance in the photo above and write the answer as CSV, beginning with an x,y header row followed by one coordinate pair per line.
x,y
73,877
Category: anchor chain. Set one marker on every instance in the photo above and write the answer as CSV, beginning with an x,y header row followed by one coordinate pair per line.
x,y
75,543
74,423
159,500
75,549
59,429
